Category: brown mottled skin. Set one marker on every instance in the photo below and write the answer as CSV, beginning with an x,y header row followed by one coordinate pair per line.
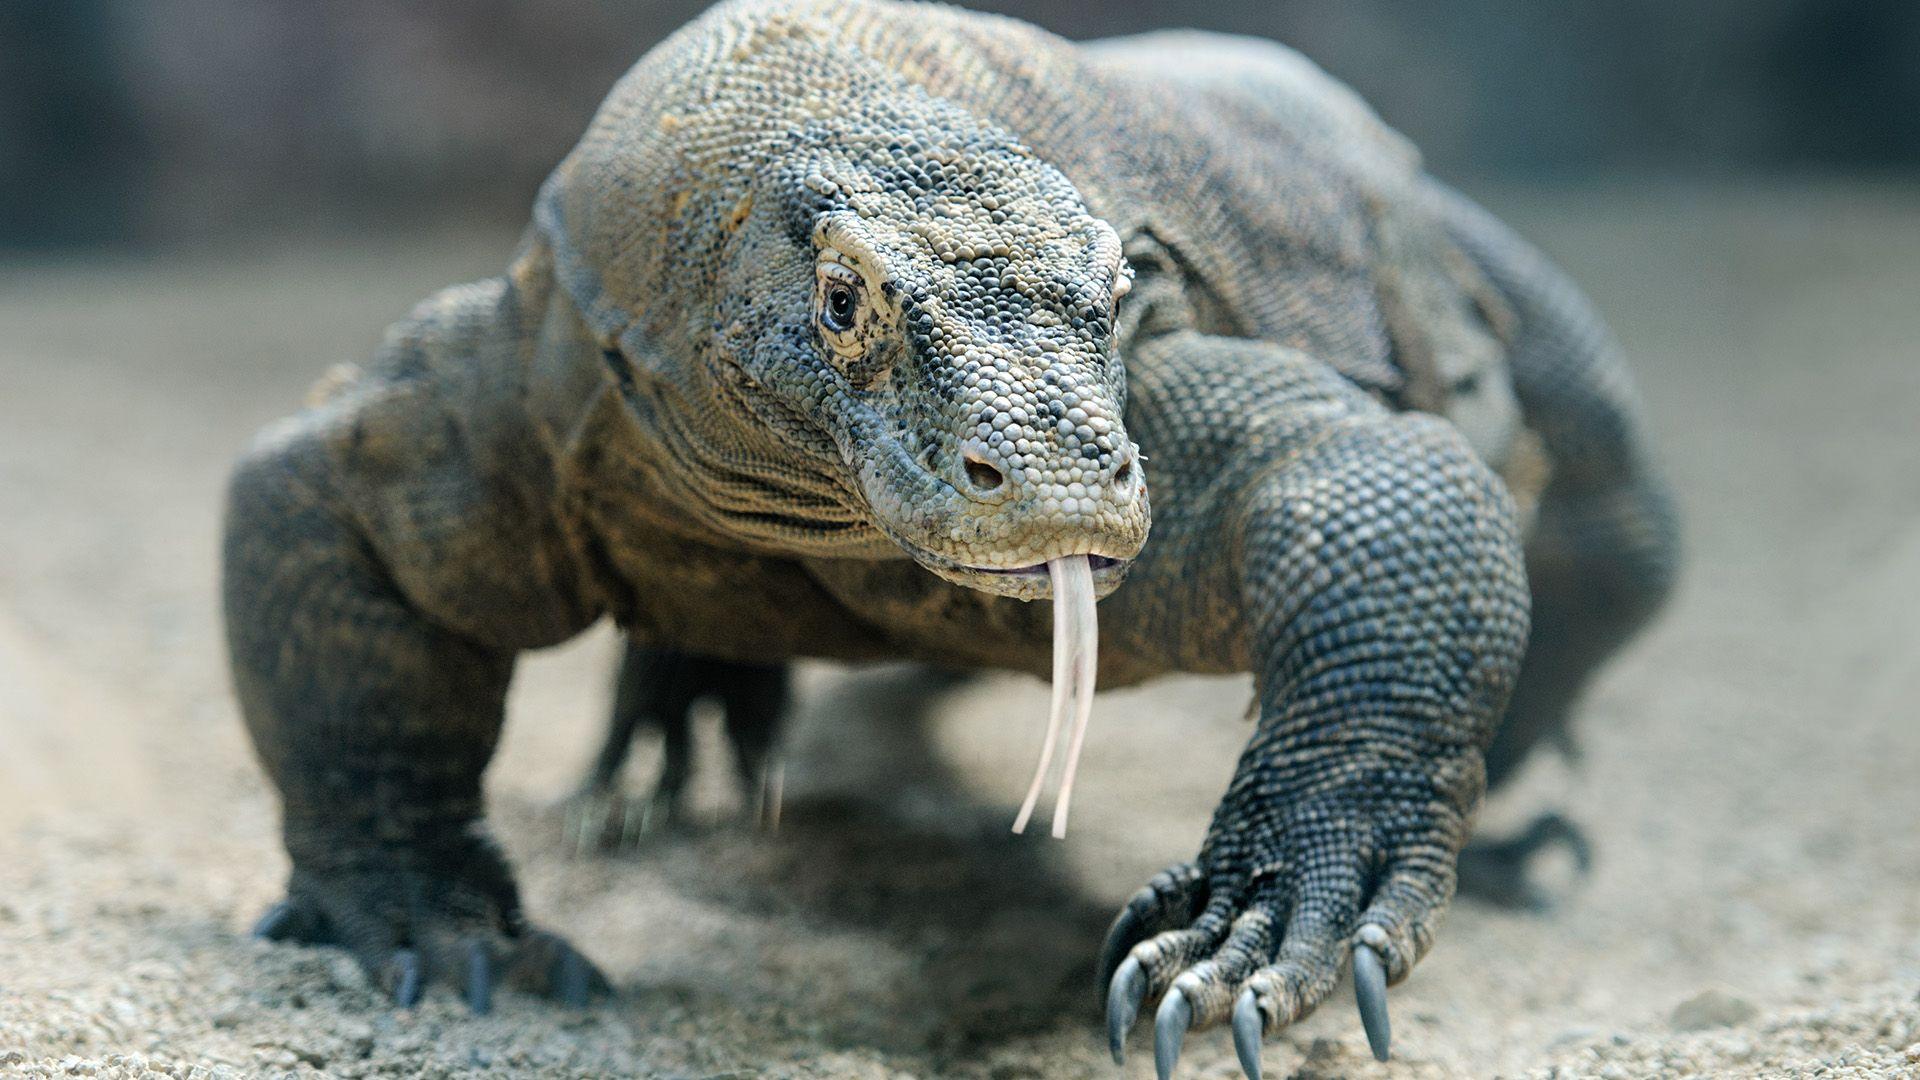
x,y
817,348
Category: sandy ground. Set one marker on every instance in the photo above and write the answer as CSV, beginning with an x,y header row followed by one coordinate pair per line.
x,y
1752,774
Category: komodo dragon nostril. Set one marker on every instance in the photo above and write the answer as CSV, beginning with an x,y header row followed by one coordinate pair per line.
x,y
981,474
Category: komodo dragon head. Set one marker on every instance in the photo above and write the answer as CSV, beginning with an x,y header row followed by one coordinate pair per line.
x,y
863,320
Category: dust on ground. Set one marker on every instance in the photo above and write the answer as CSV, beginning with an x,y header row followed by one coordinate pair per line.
x,y
1751,776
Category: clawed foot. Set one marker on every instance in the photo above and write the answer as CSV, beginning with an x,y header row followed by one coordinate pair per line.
x,y
604,820
1263,954
1500,872
411,928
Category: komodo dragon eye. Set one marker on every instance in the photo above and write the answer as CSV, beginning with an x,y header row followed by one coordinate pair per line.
x,y
853,324
840,296
838,314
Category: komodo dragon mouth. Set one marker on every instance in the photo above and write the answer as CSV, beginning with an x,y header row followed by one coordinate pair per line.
x,y
1097,562
1073,583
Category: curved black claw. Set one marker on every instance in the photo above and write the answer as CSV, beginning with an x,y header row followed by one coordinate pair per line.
x,y
575,979
479,979
1248,1029
1499,872
1127,931
1173,898
1169,1031
1124,994
1370,993
405,977
285,922
1553,828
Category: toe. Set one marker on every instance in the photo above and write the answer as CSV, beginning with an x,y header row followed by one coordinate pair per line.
x,y
1249,1029
1370,994
290,920
1164,956
1169,1031
404,978
1205,977
1147,972
479,978
1211,985
545,964
1305,967
1171,900
573,978
1302,975
1125,991
1400,920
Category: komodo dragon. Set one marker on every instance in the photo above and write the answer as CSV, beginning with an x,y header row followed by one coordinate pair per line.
x,y
816,348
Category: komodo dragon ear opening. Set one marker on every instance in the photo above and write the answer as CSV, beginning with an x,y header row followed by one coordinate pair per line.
x,y
573,272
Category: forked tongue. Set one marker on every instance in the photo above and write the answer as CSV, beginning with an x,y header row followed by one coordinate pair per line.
x,y
1076,646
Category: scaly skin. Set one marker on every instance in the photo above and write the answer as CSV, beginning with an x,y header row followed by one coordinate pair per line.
x,y
816,348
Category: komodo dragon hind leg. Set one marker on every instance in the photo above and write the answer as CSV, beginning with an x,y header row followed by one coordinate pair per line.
x,y
1500,872
658,688
1604,549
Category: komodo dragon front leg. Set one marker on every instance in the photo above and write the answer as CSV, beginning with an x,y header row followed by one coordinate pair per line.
x,y
387,553
1373,574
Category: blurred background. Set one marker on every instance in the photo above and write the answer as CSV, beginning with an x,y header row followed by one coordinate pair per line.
x,y
206,203
152,120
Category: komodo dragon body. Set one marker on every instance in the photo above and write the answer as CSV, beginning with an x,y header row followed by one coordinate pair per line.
x,y
817,348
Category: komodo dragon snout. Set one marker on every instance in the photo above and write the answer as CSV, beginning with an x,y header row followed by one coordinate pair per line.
x,y
981,408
